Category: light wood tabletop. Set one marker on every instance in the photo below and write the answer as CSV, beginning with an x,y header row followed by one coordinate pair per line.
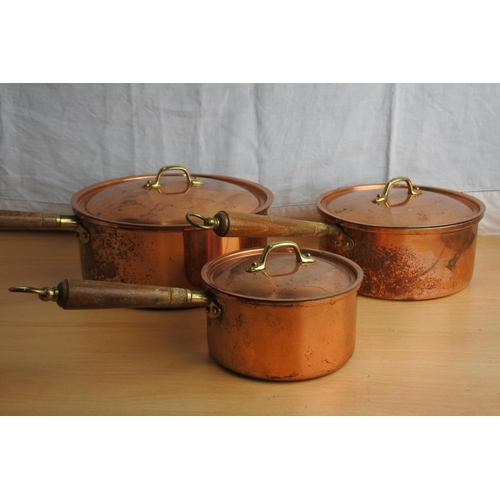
x,y
436,357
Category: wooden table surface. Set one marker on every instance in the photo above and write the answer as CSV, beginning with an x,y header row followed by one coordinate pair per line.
x,y
438,357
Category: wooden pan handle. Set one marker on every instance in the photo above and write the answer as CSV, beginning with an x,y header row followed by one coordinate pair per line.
x,y
84,294
11,219
241,224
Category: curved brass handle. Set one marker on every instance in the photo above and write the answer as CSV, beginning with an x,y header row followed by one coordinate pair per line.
x,y
412,191
261,265
192,181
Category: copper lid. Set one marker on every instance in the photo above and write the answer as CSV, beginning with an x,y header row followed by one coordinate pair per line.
x,y
282,277
400,206
163,201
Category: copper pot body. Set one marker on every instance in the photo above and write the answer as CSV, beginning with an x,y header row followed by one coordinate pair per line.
x,y
283,342
411,265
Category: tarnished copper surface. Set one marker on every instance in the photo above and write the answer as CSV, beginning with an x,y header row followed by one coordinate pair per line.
x,y
152,257
412,266
133,256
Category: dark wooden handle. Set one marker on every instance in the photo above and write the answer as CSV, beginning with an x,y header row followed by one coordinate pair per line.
x,y
28,220
83,294
241,224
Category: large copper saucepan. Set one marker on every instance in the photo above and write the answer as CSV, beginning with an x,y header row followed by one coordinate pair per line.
x,y
134,230
269,315
417,243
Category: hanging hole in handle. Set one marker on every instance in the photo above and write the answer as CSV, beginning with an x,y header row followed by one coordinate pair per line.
x,y
261,265
412,191
155,184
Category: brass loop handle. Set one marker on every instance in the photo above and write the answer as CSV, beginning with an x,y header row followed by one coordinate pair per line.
x,y
412,191
46,294
261,265
208,222
192,181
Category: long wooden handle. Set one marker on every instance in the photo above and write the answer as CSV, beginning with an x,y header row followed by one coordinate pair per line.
x,y
11,219
84,294
241,224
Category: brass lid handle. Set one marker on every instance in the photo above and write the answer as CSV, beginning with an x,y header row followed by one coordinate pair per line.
x,y
192,181
412,191
261,265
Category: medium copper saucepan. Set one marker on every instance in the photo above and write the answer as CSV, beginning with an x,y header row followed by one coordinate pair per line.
x,y
134,230
269,315
419,243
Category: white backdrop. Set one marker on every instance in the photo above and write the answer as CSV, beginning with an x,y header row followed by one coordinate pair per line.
x,y
299,140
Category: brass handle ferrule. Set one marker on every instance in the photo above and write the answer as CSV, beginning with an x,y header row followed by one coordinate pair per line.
x,y
67,221
198,298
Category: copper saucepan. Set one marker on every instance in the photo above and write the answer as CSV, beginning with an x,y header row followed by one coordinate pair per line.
x,y
269,315
417,243
134,230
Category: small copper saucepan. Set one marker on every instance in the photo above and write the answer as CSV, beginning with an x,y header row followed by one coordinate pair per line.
x,y
417,243
269,315
134,230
